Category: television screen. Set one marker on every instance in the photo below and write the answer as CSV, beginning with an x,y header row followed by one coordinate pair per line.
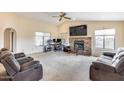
x,y
78,30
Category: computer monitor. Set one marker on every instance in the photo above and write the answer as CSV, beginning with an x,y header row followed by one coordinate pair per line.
x,y
54,40
59,40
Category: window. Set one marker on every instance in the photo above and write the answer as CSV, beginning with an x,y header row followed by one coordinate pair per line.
x,y
41,38
46,38
105,39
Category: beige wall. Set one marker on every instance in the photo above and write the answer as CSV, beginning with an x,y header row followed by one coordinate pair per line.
x,y
91,27
25,28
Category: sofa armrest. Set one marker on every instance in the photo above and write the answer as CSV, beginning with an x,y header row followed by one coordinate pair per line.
x,y
103,66
24,60
19,55
31,74
110,54
28,65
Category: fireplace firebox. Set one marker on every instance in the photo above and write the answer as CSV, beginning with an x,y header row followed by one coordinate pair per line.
x,y
79,45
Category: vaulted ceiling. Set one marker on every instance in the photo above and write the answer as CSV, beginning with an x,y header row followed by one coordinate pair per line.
x,y
76,16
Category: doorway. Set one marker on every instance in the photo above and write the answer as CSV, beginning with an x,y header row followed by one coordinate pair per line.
x,y
10,39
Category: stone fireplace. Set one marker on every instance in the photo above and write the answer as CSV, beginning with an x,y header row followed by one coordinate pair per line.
x,y
80,43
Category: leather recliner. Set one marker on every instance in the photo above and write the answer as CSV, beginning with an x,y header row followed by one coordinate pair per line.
x,y
21,68
109,67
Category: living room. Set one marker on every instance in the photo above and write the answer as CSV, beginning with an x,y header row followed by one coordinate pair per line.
x,y
30,32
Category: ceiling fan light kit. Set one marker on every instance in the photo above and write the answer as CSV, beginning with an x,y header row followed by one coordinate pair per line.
x,y
62,15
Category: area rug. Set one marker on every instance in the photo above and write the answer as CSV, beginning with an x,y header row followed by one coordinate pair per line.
x,y
60,66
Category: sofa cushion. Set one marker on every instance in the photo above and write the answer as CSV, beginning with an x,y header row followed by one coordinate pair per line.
x,y
9,58
28,65
104,60
114,58
115,62
119,65
121,49
106,57
103,66
24,60
9,69
121,54
19,55
118,55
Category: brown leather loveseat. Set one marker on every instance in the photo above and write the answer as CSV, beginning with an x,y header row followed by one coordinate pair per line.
x,y
108,67
19,67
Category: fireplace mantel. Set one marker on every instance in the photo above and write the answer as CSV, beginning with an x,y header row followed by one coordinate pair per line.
x,y
87,44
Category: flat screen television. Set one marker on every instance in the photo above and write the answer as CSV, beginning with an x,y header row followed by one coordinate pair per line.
x,y
78,30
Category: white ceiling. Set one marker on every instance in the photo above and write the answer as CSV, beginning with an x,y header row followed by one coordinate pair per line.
x,y
76,16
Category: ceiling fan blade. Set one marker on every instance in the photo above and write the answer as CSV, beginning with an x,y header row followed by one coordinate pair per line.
x,y
64,14
67,18
60,18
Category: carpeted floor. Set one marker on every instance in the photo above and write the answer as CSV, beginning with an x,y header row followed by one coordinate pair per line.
x,y
64,67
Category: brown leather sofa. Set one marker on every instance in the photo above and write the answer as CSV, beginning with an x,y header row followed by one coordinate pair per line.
x,y
108,67
19,67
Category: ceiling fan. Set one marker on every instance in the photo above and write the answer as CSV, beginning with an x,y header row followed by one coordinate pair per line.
x,y
62,15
